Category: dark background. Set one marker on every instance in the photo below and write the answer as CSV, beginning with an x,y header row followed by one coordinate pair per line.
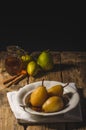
x,y
35,33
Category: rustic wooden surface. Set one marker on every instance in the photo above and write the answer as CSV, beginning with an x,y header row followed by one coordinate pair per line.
x,y
69,67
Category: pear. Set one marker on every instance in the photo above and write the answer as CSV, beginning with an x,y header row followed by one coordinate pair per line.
x,y
53,104
32,68
56,90
26,59
45,60
39,96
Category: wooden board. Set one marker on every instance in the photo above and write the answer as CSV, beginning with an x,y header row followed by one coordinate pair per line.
x,y
69,67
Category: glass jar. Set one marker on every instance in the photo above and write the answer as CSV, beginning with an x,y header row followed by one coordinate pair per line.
x,y
3,55
13,62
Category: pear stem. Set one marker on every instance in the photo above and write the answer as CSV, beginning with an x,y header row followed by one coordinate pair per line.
x,y
42,82
65,85
47,50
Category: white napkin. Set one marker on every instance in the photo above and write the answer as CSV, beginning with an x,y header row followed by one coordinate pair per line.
x,y
19,112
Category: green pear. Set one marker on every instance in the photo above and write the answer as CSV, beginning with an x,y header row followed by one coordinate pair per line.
x,y
45,60
32,68
26,59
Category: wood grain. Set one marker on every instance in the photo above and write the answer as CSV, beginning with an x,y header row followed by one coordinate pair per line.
x,y
69,67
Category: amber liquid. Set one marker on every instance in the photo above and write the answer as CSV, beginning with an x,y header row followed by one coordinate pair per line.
x,y
13,65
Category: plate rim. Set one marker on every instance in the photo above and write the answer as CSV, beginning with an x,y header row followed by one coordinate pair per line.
x,y
25,88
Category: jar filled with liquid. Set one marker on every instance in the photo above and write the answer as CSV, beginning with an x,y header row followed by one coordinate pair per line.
x,y
13,62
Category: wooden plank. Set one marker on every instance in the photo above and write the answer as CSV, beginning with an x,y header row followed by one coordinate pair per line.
x,y
69,67
73,70
73,66
7,119
51,75
58,126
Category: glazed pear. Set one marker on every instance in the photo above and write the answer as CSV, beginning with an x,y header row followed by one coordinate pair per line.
x,y
56,90
53,104
38,96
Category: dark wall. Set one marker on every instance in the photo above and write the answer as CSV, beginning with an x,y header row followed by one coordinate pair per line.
x,y
50,32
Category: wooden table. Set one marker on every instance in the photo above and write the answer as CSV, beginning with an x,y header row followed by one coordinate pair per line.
x,y
69,67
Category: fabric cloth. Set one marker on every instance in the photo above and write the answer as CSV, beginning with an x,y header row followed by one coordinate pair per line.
x,y
71,116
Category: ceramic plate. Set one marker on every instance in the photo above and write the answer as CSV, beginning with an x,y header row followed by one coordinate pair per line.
x,y
26,90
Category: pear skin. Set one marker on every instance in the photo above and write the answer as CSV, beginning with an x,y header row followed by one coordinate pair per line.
x,y
45,60
38,96
53,104
32,68
56,90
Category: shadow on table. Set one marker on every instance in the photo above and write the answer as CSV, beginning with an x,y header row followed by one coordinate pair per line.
x,y
82,124
57,68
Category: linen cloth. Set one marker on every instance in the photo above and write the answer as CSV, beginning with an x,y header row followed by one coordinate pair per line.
x,y
74,115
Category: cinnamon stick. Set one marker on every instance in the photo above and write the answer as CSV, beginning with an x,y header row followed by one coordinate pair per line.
x,y
23,73
17,79
10,79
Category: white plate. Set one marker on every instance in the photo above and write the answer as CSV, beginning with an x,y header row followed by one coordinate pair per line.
x,y
23,92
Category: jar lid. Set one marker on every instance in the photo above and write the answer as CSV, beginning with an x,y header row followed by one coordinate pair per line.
x,y
14,49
